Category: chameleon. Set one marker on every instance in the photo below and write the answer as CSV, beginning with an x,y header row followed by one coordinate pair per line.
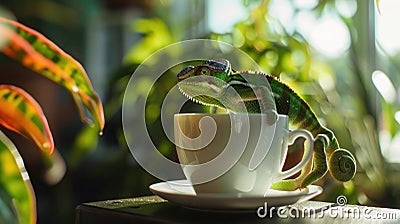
x,y
215,77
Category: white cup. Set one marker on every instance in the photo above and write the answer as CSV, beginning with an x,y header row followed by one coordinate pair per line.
x,y
236,154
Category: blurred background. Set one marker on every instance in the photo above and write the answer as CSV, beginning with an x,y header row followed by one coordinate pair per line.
x,y
342,56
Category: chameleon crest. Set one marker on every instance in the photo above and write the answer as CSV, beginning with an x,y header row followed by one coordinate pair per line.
x,y
255,92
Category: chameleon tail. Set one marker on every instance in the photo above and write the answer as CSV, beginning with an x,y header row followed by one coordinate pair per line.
x,y
342,165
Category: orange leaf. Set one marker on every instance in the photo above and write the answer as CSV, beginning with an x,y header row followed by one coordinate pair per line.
x,y
19,112
41,55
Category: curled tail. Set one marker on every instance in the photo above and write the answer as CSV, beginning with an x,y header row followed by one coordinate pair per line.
x,y
342,164
329,156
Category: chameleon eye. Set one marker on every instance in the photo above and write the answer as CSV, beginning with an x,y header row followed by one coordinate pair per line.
x,y
204,71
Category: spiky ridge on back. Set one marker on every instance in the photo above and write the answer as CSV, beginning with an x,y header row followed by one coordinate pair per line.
x,y
287,101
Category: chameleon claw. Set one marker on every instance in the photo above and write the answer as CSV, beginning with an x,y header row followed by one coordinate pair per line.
x,y
287,185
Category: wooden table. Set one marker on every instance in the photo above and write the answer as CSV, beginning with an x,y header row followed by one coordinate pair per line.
x,y
153,209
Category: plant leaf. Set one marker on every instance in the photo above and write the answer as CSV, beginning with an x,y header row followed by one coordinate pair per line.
x,y
41,55
19,112
15,181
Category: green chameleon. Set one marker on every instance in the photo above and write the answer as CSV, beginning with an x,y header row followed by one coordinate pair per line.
x,y
208,84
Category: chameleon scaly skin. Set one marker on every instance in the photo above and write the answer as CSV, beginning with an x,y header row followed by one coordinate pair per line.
x,y
215,77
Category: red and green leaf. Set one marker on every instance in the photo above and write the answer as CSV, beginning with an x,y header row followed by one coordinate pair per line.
x,y
19,112
41,55
14,180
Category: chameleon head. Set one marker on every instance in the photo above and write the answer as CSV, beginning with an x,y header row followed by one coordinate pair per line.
x,y
216,68
205,83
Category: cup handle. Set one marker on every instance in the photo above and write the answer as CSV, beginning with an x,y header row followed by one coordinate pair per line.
x,y
308,149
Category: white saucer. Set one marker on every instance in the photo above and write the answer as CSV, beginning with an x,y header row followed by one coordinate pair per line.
x,y
182,193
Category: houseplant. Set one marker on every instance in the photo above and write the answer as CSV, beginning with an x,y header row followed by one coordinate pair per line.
x,y
19,112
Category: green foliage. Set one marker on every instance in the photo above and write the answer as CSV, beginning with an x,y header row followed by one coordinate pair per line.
x,y
85,143
156,35
268,43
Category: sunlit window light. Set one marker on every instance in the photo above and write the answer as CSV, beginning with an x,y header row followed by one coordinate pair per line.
x,y
305,4
384,86
387,34
284,12
346,8
328,35
223,14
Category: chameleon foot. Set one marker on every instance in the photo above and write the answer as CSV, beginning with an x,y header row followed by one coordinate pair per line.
x,y
294,184
286,185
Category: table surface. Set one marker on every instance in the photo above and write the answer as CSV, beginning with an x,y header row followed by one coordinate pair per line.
x,y
153,209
